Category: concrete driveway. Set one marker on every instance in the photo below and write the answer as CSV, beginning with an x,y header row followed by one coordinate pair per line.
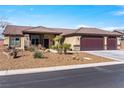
x,y
114,54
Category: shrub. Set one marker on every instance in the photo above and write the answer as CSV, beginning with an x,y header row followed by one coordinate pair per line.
x,y
14,52
38,54
57,47
31,49
53,47
66,47
26,48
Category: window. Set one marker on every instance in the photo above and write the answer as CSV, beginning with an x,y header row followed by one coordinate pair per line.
x,y
35,39
122,38
15,41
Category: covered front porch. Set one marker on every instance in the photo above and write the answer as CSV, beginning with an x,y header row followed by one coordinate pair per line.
x,y
44,40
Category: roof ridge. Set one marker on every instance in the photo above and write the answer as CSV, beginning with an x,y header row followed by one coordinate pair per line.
x,y
94,28
38,27
79,29
20,26
30,28
63,28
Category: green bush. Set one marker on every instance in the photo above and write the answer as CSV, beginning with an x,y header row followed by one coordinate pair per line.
x,y
66,47
38,54
53,47
58,47
31,49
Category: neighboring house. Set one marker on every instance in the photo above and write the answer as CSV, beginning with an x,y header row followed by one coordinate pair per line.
x,y
122,37
120,32
80,39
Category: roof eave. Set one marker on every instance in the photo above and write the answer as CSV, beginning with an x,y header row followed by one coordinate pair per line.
x,y
42,32
13,34
93,34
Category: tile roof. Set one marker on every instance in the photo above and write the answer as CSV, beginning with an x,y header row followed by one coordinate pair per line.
x,y
95,31
39,29
92,31
119,31
19,30
15,30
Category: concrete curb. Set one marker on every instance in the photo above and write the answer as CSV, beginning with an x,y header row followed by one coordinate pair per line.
x,y
57,68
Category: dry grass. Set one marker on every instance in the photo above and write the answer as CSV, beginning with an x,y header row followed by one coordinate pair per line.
x,y
27,61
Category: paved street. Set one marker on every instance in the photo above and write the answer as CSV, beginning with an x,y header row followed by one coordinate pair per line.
x,y
95,77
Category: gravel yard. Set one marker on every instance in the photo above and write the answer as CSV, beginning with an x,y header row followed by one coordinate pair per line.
x,y
26,60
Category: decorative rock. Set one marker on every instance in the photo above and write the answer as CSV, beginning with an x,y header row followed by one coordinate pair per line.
x,y
47,50
87,58
77,58
81,59
74,57
53,51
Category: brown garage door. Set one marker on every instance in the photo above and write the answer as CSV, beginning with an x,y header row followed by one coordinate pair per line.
x,y
111,43
92,43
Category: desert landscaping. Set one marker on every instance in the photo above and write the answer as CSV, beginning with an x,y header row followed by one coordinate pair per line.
x,y
26,60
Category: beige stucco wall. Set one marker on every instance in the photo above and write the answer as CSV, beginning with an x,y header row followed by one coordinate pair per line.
x,y
22,38
73,40
6,40
22,43
122,44
118,42
105,43
27,40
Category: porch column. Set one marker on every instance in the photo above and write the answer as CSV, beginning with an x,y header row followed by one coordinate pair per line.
x,y
105,43
27,40
118,42
23,43
41,40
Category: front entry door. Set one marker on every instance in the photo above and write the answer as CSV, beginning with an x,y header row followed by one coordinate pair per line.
x,y
46,43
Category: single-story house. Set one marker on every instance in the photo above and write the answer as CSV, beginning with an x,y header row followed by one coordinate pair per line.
x,y
80,39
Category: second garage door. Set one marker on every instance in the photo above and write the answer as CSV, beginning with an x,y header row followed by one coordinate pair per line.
x,y
92,43
111,43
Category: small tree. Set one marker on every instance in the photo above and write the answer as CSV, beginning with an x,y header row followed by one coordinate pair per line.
x,y
58,44
66,47
58,39
3,24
